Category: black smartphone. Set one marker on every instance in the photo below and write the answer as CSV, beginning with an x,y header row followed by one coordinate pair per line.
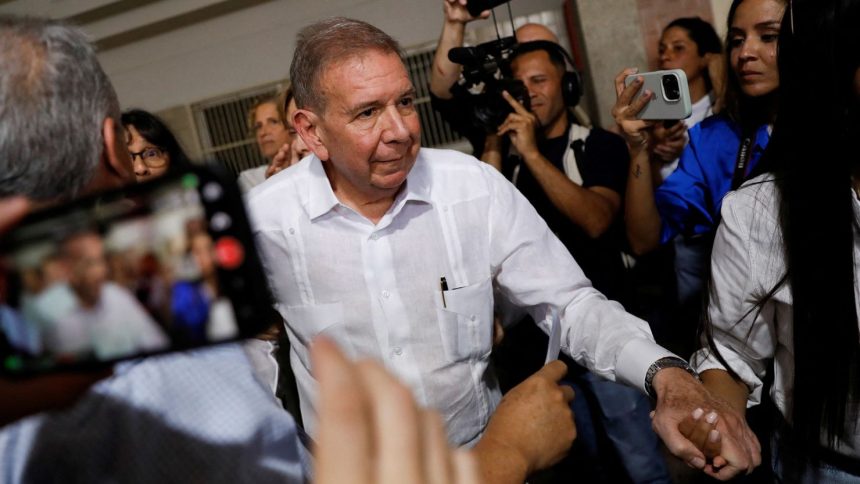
x,y
155,267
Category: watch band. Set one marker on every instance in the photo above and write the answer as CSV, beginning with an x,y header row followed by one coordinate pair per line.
x,y
667,362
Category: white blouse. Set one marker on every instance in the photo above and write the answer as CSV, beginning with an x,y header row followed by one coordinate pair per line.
x,y
747,262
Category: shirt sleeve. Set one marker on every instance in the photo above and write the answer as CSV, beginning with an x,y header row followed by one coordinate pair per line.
x,y
607,161
743,332
682,198
533,270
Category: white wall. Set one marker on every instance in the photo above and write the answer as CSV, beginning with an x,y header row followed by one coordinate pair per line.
x,y
254,46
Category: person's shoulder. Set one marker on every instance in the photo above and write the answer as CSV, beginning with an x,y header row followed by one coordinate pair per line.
x,y
449,164
718,126
281,190
257,174
756,201
455,175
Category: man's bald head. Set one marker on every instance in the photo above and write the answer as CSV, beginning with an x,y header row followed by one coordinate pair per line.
x,y
532,32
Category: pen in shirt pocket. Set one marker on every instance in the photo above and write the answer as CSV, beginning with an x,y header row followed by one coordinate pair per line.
x,y
443,285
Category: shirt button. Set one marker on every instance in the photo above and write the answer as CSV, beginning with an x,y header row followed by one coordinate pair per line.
x,y
292,231
374,236
385,294
397,351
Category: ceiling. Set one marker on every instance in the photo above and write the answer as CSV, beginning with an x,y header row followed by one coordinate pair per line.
x,y
114,23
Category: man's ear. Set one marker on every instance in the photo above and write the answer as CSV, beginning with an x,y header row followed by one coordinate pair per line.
x,y
115,155
114,169
307,125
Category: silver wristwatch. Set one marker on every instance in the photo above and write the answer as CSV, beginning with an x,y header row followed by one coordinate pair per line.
x,y
667,362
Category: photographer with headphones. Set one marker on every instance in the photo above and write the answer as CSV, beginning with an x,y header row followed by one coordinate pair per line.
x,y
575,177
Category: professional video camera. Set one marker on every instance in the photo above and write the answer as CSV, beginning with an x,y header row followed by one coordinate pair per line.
x,y
486,73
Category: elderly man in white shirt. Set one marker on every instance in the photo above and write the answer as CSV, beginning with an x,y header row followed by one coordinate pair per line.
x,y
394,251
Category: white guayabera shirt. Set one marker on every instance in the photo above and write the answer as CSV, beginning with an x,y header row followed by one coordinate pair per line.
x,y
375,289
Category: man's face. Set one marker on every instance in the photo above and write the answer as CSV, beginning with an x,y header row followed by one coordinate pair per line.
x,y
369,132
89,267
543,81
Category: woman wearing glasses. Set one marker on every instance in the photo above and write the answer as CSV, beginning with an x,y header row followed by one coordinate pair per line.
x,y
152,146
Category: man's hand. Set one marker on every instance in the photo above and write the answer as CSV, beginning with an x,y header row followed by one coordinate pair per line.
x,y
679,395
627,106
456,12
531,429
668,143
372,431
520,126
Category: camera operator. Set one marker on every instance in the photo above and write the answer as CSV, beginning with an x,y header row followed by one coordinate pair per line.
x,y
445,73
574,176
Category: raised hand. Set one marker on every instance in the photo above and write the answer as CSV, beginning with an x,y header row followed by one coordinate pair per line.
x,y
628,105
455,11
521,127
281,160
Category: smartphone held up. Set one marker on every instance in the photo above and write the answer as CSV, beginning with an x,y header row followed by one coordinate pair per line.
x,y
671,95
168,264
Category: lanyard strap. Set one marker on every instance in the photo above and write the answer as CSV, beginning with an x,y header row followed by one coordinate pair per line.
x,y
743,159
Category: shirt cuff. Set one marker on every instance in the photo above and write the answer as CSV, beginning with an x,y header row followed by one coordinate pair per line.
x,y
635,358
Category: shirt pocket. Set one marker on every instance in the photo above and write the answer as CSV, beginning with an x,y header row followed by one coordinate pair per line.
x,y
466,321
304,323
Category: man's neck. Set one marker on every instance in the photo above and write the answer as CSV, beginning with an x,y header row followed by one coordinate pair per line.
x,y
371,204
558,127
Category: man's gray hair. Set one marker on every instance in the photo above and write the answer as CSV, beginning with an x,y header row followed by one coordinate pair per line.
x,y
324,42
54,98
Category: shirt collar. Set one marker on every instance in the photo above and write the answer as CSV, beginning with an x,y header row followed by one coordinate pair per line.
x,y
418,181
321,198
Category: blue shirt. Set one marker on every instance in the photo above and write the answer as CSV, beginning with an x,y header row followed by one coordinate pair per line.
x,y
689,200
195,416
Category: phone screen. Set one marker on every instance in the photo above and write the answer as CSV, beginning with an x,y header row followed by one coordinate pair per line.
x,y
164,266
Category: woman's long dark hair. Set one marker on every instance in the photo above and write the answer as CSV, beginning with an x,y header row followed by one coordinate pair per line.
x,y
813,156
153,129
748,112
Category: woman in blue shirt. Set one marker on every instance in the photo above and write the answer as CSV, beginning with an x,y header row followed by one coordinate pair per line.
x,y
688,202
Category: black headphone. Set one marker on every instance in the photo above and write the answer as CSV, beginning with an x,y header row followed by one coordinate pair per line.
x,y
571,82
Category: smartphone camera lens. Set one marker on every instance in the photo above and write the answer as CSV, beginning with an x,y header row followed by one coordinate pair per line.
x,y
671,87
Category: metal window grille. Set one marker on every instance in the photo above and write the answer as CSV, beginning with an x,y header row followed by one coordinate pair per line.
x,y
435,132
223,128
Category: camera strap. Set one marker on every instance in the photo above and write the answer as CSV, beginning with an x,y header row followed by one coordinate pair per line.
x,y
576,142
742,161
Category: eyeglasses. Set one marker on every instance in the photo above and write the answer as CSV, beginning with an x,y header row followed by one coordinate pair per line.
x,y
151,157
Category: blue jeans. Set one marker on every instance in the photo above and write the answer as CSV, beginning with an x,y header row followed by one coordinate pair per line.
x,y
623,414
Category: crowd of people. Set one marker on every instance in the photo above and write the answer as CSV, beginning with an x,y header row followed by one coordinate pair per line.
x,y
420,288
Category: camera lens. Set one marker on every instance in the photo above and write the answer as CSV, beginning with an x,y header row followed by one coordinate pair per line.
x,y
671,88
